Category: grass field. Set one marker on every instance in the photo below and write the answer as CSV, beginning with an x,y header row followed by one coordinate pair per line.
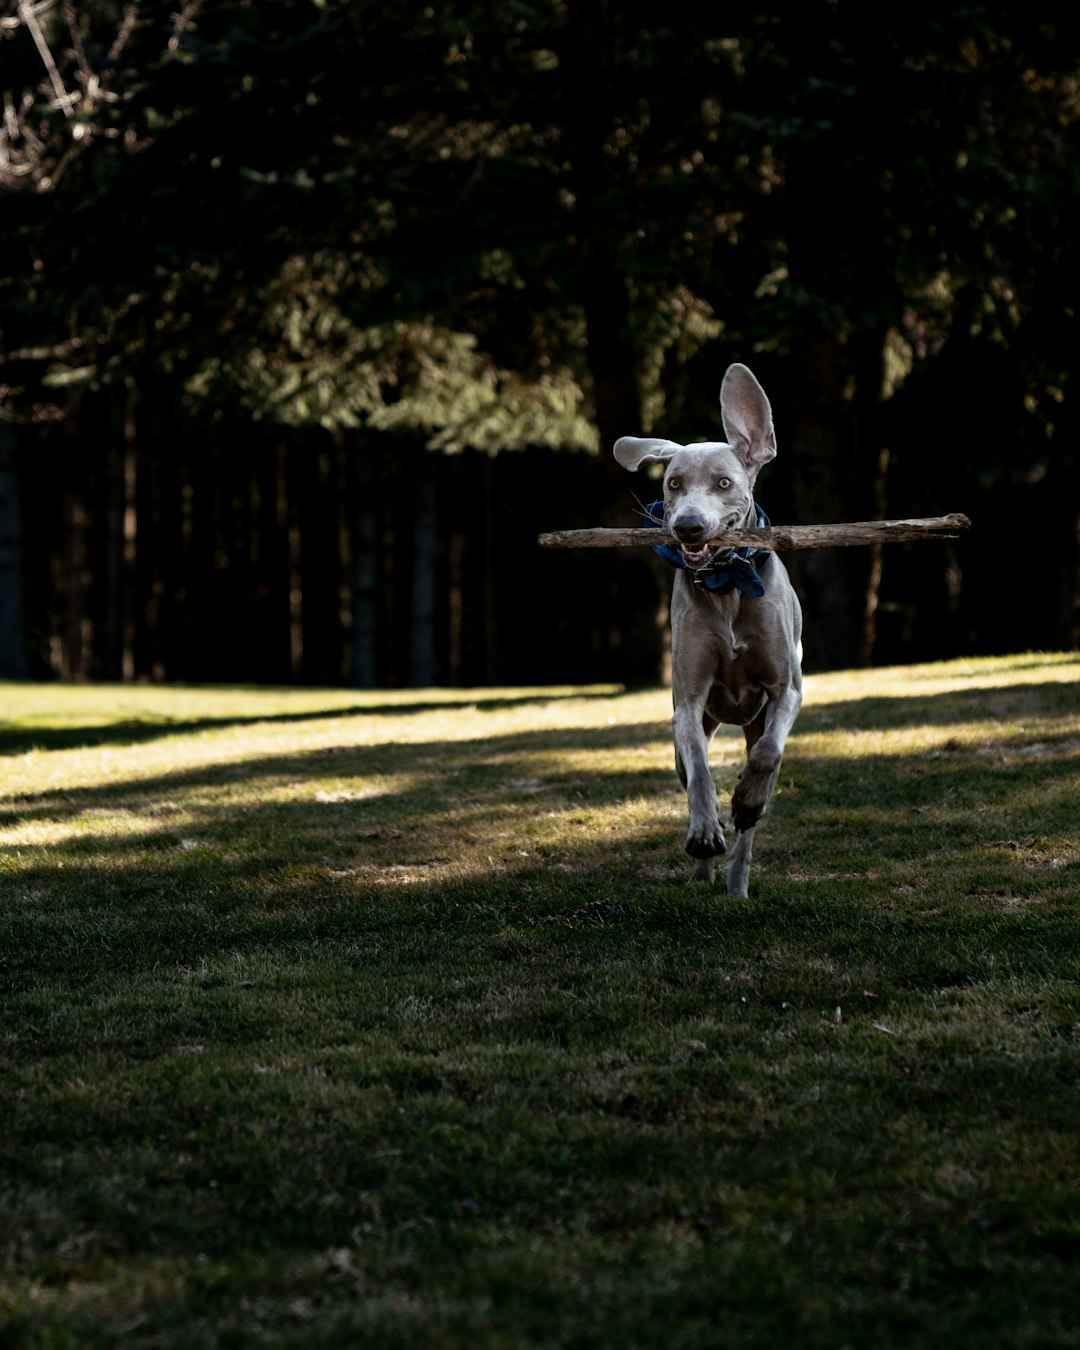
x,y
390,1020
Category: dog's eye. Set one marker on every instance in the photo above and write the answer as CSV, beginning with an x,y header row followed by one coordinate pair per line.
x,y
674,482
724,483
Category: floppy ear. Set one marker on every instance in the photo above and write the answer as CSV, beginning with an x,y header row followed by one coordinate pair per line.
x,y
633,451
747,417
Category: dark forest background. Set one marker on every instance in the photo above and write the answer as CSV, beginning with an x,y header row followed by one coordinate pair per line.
x,y
314,314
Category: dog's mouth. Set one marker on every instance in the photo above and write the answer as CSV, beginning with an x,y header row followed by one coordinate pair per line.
x,y
697,558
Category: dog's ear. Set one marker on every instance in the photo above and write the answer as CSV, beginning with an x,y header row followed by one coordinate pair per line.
x,y
634,451
747,417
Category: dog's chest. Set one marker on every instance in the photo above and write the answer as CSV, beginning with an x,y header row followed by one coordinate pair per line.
x,y
718,627
727,643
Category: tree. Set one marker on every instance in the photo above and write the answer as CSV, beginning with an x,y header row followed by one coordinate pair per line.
x,y
288,236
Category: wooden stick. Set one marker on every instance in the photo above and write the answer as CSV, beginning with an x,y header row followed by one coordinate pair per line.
x,y
776,538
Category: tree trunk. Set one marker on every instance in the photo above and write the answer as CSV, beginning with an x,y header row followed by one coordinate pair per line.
x,y
364,671
115,658
423,552
77,625
317,491
833,218
820,467
12,635
592,84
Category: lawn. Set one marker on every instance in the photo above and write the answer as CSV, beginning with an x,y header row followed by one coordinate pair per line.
x,y
390,1019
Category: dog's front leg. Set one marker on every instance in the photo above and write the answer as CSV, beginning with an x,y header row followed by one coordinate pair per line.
x,y
705,836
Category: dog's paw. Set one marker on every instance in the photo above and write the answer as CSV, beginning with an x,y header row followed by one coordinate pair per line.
x,y
705,843
704,871
748,803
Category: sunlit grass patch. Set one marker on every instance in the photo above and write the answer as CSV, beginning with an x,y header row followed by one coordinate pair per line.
x,y
343,1018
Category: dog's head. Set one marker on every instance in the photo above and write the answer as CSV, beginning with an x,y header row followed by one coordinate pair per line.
x,y
709,485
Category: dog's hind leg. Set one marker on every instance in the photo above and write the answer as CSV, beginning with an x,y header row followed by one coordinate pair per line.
x,y
766,737
741,855
739,859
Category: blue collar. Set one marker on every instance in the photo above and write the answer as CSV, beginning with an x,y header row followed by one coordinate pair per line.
x,y
731,570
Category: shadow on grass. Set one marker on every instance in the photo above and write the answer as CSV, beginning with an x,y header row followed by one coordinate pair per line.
x,y
463,840
952,707
230,845
375,1032
17,740
444,775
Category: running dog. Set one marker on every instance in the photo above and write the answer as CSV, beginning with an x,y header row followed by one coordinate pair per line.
x,y
736,623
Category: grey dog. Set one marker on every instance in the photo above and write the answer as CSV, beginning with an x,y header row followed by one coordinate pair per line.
x,y
736,624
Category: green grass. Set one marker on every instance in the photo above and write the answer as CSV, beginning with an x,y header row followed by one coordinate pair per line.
x,y
390,1019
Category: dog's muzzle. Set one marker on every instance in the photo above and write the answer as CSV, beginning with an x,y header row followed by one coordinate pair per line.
x,y
695,547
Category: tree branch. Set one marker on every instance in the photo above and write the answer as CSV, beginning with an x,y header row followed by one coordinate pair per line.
x,y
775,538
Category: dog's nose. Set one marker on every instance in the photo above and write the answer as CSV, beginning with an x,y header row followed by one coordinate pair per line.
x,y
689,529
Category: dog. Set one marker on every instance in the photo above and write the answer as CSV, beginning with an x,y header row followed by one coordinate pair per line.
x,y
736,622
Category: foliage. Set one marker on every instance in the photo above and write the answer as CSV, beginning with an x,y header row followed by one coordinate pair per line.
x,y
445,169
490,226
391,1018
288,144
316,368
